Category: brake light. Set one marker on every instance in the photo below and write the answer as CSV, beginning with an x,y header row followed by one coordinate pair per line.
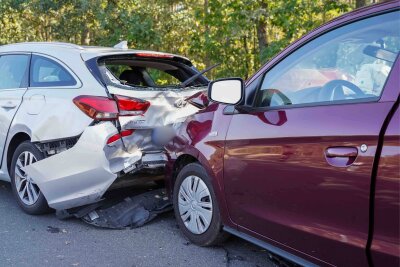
x,y
117,136
154,55
97,107
131,106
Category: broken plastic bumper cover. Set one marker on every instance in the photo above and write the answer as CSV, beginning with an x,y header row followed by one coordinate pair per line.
x,y
80,174
83,173
131,211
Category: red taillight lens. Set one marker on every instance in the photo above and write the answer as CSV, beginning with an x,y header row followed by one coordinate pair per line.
x,y
154,55
131,106
127,132
97,107
113,138
117,136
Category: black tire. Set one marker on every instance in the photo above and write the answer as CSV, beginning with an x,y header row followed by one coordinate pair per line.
x,y
40,206
214,235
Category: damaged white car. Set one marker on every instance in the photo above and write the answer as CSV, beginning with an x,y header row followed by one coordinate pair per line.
x,y
74,119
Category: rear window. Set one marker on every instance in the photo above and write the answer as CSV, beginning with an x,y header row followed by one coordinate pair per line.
x,y
125,72
162,78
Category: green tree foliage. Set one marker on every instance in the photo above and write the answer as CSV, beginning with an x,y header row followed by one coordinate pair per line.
x,y
240,34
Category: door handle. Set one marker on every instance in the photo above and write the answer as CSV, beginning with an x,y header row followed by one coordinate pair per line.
x,y
347,152
9,105
341,156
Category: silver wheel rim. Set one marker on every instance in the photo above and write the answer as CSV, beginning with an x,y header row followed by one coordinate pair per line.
x,y
195,204
27,190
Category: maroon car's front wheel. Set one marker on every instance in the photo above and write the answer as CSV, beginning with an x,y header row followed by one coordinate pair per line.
x,y
196,207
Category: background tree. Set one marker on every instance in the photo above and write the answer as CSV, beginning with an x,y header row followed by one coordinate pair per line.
x,y
240,34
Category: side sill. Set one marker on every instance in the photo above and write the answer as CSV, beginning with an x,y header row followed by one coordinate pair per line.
x,y
269,247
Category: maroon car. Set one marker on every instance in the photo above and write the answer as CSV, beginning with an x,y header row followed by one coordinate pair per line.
x,y
303,159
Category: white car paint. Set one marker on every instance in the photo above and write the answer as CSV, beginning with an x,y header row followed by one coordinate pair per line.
x,y
81,174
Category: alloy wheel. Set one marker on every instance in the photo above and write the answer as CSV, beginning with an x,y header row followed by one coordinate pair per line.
x,y
195,204
26,188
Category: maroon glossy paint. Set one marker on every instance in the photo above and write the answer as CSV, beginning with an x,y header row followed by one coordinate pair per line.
x,y
296,178
386,236
280,184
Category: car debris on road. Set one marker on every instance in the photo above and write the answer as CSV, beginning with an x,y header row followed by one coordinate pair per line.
x,y
120,213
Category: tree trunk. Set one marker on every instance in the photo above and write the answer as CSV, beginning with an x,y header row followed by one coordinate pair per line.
x,y
360,3
207,60
85,37
247,59
262,29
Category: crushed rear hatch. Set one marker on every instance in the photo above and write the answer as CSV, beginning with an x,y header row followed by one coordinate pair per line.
x,y
155,78
148,88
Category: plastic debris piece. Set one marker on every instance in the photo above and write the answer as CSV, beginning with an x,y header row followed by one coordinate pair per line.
x,y
130,212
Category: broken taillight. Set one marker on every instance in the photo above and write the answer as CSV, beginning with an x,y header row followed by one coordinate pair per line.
x,y
131,106
118,136
104,108
97,107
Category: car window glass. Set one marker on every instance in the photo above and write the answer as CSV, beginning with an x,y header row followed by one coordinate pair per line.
x,y
13,71
46,72
251,90
351,62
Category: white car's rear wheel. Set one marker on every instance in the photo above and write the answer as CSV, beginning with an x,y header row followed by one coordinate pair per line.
x,y
26,191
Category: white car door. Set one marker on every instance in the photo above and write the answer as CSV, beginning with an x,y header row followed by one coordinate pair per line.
x,y
14,74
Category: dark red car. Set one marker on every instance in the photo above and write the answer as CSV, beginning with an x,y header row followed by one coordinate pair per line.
x,y
304,158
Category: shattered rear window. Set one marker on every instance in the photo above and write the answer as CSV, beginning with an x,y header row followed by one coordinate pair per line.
x,y
133,73
162,78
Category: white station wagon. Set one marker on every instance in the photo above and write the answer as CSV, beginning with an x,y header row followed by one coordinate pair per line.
x,y
74,119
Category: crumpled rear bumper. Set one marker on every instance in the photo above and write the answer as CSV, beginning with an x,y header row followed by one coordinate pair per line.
x,y
83,173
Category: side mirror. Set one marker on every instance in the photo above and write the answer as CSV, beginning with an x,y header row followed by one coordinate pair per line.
x,y
226,91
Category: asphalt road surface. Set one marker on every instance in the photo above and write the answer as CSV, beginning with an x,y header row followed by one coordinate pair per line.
x,y
47,241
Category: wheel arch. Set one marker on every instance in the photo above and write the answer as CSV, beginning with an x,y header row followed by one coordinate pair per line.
x,y
216,179
15,141
179,163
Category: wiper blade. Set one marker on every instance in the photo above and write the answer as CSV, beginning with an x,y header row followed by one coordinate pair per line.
x,y
197,75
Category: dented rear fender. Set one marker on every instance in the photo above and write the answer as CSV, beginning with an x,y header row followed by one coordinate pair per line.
x,y
83,173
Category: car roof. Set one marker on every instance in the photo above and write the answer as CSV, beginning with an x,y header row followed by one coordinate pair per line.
x,y
86,52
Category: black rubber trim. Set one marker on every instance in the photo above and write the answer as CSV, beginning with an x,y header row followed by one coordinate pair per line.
x,y
269,247
373,180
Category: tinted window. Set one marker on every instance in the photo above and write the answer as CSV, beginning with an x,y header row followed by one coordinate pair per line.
x,y
47,73
13,71
351,62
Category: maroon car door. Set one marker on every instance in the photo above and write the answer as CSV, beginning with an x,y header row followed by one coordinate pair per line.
x,y
297,165
385,246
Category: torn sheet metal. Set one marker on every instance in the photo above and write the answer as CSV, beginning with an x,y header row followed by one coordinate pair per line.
x,y
82,174
168,110
129,212
167,107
